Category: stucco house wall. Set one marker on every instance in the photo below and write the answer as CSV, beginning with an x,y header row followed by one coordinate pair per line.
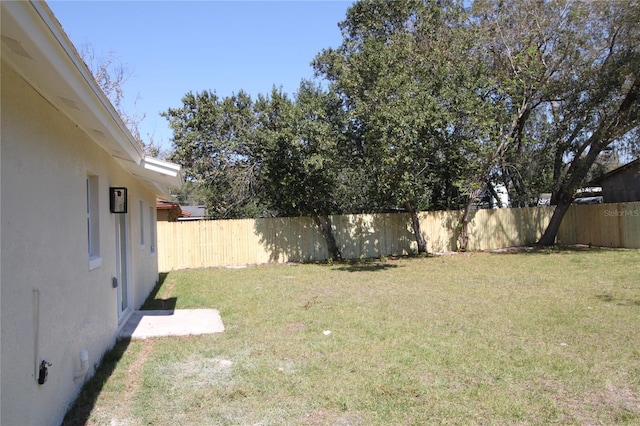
x,y
55,302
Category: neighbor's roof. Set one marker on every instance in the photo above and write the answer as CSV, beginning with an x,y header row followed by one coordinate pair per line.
x,y
37,48
168,205
633,163
196,211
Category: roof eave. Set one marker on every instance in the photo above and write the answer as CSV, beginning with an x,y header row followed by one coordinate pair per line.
x,y
37,48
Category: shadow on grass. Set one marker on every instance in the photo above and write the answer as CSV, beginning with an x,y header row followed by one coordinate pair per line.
x,y
157,303
609,298
80,411
548,250
366,265
359,267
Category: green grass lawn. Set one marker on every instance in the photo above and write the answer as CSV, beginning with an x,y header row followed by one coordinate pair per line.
x,y
530,338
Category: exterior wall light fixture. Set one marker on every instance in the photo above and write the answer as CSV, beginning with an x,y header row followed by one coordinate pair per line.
x,y
118,199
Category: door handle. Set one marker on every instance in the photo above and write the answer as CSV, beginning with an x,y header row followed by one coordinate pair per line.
x,y
114,282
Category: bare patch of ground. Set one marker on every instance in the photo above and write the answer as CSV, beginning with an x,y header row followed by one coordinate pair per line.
x,y
135,370
622,397
167,293
199,372
295,326
328,417
589,408
120,415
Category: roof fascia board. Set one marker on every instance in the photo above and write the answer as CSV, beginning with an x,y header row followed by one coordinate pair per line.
x,y
163,167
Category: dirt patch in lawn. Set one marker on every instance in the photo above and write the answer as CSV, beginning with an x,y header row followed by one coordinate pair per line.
x,y
168,290
135,370
328,417
198,372
121,414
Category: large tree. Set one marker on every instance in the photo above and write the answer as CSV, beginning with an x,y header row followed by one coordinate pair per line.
x,y
301,170
275,156
567,77
213,140
415,97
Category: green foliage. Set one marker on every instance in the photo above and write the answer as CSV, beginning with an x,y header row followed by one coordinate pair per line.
x,y
395,80
427,103
213,141
276,156
414,93
566,78
298,147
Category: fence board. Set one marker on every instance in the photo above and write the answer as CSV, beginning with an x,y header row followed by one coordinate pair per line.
x,y
603,225
197,244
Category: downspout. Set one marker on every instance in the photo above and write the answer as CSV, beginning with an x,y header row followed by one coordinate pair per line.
x,y
35,301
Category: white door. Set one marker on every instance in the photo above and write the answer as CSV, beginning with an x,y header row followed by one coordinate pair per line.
x,y
122,263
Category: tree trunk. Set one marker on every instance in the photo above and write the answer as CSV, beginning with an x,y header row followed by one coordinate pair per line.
x,y
563,197
324,224
463,238
549,236
495,196
415,224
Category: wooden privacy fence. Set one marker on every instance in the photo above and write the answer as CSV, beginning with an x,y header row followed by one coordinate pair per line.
x,y
602,225
211,243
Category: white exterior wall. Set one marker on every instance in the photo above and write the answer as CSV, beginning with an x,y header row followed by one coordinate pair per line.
x,y
53,306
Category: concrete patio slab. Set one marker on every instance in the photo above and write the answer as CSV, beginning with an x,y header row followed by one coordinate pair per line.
x,y
179,322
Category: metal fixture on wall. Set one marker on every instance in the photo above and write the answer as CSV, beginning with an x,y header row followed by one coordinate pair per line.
x,y
44,372
118,199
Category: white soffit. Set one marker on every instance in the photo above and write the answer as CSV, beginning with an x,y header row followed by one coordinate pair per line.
x,y
163,167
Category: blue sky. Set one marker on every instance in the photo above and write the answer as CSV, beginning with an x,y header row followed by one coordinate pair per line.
x,y
174,47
